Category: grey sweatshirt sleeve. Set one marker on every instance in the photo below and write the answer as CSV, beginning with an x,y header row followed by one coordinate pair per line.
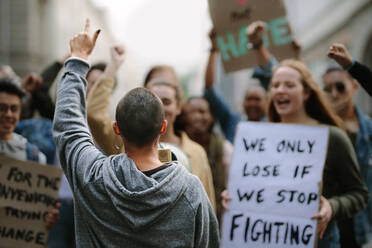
x,y
79,158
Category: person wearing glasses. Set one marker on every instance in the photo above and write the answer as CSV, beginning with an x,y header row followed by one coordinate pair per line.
x,y
340,88
14,145
360,72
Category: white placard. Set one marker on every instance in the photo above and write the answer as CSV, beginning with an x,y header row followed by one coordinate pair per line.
x,y
274,185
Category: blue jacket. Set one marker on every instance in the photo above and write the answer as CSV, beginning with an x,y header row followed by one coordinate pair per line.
x,y
38,131
221,110
363,220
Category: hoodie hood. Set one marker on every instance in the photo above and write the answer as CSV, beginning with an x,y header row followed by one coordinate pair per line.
x,y
140,199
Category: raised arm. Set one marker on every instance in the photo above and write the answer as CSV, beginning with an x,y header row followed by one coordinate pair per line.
x,y
210,72
221,111
265,61
74,143
38,86
361,73
98,103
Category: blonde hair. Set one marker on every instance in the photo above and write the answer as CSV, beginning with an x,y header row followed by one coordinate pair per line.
x,y
158,69
167,82
315,106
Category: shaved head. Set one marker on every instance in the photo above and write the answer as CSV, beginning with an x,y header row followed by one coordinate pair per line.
x,y
139,116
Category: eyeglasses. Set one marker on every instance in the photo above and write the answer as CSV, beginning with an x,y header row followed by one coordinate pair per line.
x,y
5,108
340,87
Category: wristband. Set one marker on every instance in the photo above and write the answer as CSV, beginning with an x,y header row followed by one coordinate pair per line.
x,y
350,66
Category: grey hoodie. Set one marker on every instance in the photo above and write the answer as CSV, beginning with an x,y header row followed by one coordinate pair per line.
x,y
116,205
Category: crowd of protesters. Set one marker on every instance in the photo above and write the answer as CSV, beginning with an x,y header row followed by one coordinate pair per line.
x,y
118,190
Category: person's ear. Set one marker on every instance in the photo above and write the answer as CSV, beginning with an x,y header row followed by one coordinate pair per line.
x,y
116,128
307,93
179,109
163,128
354,85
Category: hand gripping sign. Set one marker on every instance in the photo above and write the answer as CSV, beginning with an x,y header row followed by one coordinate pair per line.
x,y
274,185
230,20
28,191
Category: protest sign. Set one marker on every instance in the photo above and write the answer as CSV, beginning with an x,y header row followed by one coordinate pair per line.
x,y
230,20
28,191
274,185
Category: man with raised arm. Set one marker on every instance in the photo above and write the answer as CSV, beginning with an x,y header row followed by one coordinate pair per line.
x,y
360,72
340,87
130,199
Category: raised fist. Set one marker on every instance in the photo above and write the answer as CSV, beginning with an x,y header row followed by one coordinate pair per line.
x,y
339,53
117,54
255,31
31,82
212,37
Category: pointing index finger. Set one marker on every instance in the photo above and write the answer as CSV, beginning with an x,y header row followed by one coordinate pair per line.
x,y
87,26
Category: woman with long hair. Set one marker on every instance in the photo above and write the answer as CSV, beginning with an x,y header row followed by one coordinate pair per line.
x,y
295,98
170,93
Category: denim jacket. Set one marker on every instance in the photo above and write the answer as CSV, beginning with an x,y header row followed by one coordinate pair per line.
x,y
363,220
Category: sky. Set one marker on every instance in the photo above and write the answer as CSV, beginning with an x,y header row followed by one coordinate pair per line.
x,y
162,31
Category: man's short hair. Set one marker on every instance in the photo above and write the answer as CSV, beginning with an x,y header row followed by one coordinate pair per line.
x,y
10,86
334,68
139,116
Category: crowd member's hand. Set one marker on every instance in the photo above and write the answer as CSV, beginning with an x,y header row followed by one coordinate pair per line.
x,y
52,217
7,71
81,46
212,36
117,59
323,216
297,49
225,199
339,53
255,32
32,82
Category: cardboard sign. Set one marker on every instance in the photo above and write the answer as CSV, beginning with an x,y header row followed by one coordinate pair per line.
x,y
28,191
230,20
274,185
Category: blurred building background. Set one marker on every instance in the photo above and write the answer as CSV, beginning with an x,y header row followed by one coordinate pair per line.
x,y
34,33
316,25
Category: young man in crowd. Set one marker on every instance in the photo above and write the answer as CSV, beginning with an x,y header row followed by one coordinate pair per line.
x,y
14,145
340,88
360,72
130,199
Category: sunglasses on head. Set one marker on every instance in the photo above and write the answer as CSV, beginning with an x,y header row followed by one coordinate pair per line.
x,y
340,87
